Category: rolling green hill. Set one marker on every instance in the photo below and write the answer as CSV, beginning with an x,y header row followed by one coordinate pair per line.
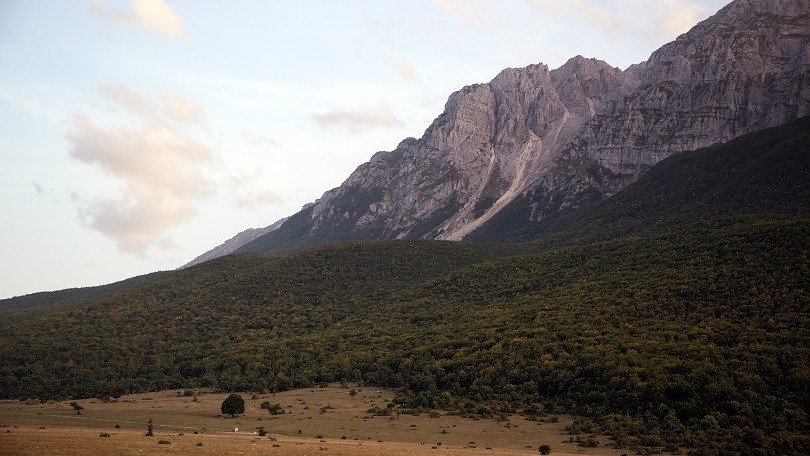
x,y
21,306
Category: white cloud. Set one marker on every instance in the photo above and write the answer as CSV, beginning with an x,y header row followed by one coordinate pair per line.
x,y
160,165
153,15
359,119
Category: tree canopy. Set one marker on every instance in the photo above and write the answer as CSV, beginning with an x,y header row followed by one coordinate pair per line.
x,y
233,405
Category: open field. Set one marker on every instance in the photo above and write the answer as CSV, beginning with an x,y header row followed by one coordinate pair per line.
x,y
316,421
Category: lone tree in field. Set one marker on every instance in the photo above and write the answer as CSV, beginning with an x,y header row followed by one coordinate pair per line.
x,y
77,407
233,405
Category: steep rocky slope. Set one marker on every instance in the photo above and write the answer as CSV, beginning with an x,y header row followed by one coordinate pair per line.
x,y
764,172
234,243
744,69
534,142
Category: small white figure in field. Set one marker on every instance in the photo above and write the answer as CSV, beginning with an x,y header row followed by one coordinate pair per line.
x,y
235,429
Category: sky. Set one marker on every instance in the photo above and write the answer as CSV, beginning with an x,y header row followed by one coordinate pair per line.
x,y
138,134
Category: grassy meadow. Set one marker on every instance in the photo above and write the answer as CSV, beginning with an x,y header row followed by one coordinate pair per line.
x,y
327,420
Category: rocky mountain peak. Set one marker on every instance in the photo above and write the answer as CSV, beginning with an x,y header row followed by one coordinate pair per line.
x,y
532,142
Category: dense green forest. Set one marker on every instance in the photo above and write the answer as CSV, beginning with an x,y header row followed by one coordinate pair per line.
x,y
697,337
669,316
10,308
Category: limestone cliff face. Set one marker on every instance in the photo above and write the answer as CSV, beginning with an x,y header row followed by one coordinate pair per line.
x,y
533,142
489,144
744,69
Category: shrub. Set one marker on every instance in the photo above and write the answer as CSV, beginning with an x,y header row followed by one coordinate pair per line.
x,y
77,407
590,442
233,405
544,449
104,434
275,409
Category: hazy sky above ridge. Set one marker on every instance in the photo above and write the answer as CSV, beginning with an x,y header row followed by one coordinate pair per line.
x,y
137,134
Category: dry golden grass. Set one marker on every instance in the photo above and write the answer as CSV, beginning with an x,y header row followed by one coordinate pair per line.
x,y
326,421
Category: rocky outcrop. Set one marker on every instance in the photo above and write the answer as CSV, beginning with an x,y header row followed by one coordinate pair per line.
x,y
233,243
533,142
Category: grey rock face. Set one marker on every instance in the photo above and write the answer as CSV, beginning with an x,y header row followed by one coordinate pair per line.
x,y
491,142
549,140
744,69
233,243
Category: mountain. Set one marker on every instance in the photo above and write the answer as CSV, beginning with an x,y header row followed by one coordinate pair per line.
x,y
672,314
533,142
234,243
764,172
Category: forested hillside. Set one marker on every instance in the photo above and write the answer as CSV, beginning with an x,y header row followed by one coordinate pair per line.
x,y
10,308
696,337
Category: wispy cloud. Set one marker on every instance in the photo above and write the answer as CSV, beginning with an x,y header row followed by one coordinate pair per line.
x,y
168,108
153,15
181,108
243,186
160,165
663,19
260,141
677,16
38,188
601,14
254,200
358,120
403,68
474,12
44,193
